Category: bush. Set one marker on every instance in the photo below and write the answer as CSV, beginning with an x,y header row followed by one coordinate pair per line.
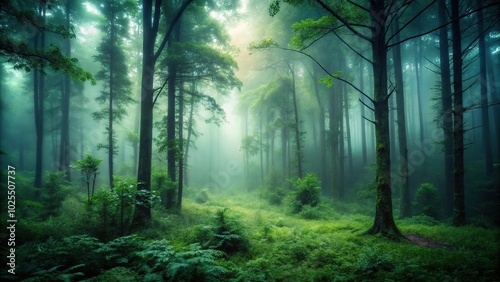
x,y
53,193
225,235
307,192
426,200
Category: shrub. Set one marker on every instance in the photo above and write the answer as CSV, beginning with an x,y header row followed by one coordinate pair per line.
x,y
307,192
53,193
225,234
426,200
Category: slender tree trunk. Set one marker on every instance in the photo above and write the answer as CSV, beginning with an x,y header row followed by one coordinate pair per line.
x,y
350,172
418,75
446,107
341,139
392,128
39,99
494,97
260,149
65,157
458,121
171,146
146,123
322,133
384,220
488,151
111,144
405,203
189,133
297,125
180,184
334,143
362,109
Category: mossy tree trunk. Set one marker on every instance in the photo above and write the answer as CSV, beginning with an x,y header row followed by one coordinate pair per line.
x,y
384,219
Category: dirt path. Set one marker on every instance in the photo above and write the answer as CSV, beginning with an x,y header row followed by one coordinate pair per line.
x,y
424,242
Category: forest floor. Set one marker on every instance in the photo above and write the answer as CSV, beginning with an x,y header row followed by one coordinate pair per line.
x,y
255,241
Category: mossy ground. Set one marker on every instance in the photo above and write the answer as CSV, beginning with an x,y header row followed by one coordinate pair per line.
x,y
323,243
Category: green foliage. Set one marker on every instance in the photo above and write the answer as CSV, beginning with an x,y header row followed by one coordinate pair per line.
x,y
427,200
53,193
307,192
371,262
202,196
250,145
89,166
119,274
226,234
163,185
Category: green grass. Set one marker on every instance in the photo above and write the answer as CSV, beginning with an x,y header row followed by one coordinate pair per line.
x,y
327,243
333,247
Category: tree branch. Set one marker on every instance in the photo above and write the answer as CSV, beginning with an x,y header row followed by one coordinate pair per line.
x,y
171,28
342,20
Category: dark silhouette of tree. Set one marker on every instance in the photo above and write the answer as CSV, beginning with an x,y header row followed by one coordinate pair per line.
x,y
114,74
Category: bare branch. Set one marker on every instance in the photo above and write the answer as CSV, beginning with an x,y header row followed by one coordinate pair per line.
x,y
171,28
374,122
352,49
410,21
366,105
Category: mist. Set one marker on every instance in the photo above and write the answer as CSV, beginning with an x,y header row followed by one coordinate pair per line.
x,y
272,140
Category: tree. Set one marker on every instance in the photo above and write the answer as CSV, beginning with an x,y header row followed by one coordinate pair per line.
x,y
488,152
89,166
458,119
370,23
446,106
151,23
114,73
405,206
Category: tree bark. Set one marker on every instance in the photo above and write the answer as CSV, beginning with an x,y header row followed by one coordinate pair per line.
x,y
350,172
180,184
171,141
384,219
362,109
405,204
446,107
297,127
488,152
418,75
39,100
65,152
458,121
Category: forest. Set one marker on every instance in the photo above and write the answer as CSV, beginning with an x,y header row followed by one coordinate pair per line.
x,y
250,140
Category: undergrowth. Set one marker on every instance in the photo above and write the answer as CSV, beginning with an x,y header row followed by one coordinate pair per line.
x,y
244,238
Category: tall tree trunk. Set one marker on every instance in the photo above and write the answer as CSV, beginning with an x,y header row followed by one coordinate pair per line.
x,y
458,122
340,121
146,122
322,133
405,203
488,152
297,127
418,75
171,142
189,133
392,128
180,184
362,109
333,124
111,145
494,97
260,150
39,99
384,219
350,172
446,107
65,149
